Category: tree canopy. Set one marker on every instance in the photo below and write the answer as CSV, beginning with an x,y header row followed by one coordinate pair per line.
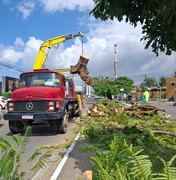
x,y
157,17
108,87
162,81
149,81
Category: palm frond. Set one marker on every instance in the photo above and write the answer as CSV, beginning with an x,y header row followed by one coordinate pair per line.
x,y
41,163
101,172
141,165
11,149
26,139
121,173
6,165
36,153
17,138
15,173
6,144
169,172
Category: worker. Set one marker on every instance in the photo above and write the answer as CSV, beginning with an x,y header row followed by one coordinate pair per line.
x,y
145,96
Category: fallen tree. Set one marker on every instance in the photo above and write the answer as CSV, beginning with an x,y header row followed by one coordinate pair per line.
x,y
138,126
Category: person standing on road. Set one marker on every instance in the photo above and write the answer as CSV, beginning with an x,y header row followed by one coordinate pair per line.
x,y
145,96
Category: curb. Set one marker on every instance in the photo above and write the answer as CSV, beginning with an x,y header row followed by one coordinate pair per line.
x,y
66,156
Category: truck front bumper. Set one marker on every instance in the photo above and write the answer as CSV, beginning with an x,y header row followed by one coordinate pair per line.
x,y
34,118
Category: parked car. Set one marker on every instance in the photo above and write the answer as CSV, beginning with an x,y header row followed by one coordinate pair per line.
x,y
2,102
131,98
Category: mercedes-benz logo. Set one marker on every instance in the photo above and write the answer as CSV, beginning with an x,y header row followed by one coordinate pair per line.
x,y
29,106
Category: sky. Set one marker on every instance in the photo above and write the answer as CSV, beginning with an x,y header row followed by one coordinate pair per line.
x,y
26,24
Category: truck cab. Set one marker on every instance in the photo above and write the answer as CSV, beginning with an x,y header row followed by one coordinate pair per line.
x,y
41,99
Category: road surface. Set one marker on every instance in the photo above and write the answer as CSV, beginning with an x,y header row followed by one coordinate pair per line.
x,y
43,135
168,106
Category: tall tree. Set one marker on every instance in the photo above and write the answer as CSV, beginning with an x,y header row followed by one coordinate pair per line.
x,y
125,83
158,19
150,82
108,87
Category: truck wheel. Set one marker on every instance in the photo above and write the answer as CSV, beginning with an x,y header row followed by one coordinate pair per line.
x,y
79,113
62,124
16,127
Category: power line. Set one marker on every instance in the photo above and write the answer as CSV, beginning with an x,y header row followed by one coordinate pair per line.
x,y
5,60
10,66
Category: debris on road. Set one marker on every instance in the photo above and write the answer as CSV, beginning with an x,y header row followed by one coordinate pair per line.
x,y
140,110
136,110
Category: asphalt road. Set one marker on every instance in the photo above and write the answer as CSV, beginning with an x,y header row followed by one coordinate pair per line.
x,y
168,106
43,135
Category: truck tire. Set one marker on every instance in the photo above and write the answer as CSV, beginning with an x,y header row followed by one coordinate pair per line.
x,y
79,113
16,127
62,124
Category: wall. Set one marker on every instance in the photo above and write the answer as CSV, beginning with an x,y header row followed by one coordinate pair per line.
x,y
171,87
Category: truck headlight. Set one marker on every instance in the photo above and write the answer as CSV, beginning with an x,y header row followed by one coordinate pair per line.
x,y
10,106
51,105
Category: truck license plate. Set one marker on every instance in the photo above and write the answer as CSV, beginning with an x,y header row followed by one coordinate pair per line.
x,y
27,116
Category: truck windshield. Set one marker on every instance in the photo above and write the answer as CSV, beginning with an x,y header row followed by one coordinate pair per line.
x,y
40,79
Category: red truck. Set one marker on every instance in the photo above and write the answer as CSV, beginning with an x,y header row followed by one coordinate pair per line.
x,y
44,96
41,99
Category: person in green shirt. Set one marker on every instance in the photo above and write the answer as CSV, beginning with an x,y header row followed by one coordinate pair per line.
x,y
145,96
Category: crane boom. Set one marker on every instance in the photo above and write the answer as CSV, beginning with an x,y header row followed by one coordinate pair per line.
x,y
42,56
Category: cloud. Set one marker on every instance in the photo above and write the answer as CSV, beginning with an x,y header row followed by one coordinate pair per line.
x,y
26,8
19,43
52,6
21,54
133,60
60,5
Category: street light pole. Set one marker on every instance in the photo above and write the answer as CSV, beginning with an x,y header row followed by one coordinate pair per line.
x,y
145,78
115,61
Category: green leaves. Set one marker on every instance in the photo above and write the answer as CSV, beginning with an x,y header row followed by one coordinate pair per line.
x,y
108,87
158,19
169,172
128,148
11,151
11,156
123,162
42,159
141,166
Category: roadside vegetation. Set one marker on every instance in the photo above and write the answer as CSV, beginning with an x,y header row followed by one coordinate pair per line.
x,y
7,94
128,147
107,87
11,152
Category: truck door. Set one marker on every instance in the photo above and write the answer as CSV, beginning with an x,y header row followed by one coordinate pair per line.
x,y
63,88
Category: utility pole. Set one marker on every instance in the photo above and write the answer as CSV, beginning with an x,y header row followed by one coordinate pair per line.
x,y
115,61
145,78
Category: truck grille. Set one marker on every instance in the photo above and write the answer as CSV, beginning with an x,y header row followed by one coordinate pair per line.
x,y
30,106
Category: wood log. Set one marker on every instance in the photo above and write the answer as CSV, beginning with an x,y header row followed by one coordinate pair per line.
x,y
81,69
87,175
156,131
83,60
